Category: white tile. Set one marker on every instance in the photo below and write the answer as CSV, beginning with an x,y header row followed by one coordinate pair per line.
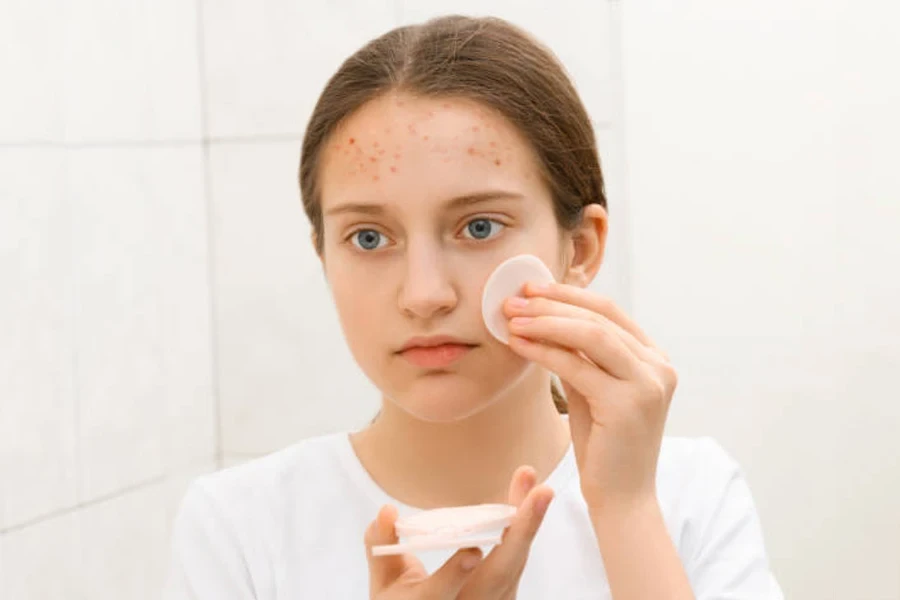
x,y
131,70
142,313
126,540
284,369
31,71
115,548
37,402
233,461
42,561
267,61
614,278
577,32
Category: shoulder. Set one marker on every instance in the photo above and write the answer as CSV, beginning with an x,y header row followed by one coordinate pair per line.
x,y
685,460
711,515
263,480
694,477
228,526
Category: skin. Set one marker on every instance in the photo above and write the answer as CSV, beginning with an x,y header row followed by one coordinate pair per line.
x,y
398,244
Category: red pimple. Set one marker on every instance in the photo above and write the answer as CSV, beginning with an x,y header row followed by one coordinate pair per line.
x,y
393,169
425,137
497,162
471,151
446,105
372,159
476,129
397,156
493,145
374,177
351,141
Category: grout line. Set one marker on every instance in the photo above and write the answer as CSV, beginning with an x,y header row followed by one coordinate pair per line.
x,y
86,504
173,473
617,127
218,446
74,297
257,138
161,143
47,144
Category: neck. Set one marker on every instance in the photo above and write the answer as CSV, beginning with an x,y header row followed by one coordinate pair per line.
x,y
472,461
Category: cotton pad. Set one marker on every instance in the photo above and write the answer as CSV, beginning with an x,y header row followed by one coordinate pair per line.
x,y
508,280
450,529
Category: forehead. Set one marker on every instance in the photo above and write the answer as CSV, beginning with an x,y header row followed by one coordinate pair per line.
x,y
399,147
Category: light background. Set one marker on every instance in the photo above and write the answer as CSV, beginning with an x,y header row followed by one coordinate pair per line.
x,y
162,313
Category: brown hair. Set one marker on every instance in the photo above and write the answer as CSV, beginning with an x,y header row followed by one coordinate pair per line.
x,y
487,60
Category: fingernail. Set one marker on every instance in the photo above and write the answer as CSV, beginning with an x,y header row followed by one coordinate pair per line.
x,y
517,302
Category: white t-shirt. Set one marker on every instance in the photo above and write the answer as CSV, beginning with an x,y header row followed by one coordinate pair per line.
x,y
290,526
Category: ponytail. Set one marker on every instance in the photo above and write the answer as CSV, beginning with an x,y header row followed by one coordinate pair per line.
x,y
559,399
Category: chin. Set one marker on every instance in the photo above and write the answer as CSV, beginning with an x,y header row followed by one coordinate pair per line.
x,y
443,397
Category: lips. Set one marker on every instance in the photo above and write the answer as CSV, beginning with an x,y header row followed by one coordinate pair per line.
x,y
435,352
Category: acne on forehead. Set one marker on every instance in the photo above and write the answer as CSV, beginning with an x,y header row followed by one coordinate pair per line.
x,y
378,152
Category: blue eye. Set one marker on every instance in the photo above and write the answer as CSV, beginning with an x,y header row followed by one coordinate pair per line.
x,y
481,229
367,239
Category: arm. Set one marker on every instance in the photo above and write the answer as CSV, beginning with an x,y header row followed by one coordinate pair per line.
x,y
722,554
638,553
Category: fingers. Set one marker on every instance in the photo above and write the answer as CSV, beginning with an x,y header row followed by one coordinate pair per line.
x,y
449,580
523,480
601,345
502,568
537,306
383,570
582,375
596,303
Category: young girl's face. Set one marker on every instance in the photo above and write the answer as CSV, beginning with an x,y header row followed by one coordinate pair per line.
x,y
422,199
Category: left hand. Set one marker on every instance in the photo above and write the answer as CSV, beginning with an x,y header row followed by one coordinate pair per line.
x,y
617,382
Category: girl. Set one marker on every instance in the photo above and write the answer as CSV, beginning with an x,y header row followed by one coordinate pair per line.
x,y
436,152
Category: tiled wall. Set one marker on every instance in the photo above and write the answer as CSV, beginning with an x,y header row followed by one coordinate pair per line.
x,y
161,311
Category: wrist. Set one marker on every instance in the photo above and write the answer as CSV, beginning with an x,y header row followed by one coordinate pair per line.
x,y
624,517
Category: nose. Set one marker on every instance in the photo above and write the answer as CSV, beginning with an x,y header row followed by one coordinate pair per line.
x,y
427,290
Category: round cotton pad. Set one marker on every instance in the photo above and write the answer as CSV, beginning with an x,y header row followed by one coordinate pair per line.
x,y
450,528
508,280
457,520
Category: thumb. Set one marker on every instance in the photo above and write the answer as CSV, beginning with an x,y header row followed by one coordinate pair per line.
x,y
383,570
448,581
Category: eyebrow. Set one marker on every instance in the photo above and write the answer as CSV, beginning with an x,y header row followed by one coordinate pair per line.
x,y
457,202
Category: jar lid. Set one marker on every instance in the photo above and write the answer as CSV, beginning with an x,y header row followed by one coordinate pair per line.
x,y
450,528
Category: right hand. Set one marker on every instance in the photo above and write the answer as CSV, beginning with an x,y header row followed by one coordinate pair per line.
x,y
465,576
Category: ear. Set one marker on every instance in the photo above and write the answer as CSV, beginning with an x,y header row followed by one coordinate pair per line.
x,y
587,245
